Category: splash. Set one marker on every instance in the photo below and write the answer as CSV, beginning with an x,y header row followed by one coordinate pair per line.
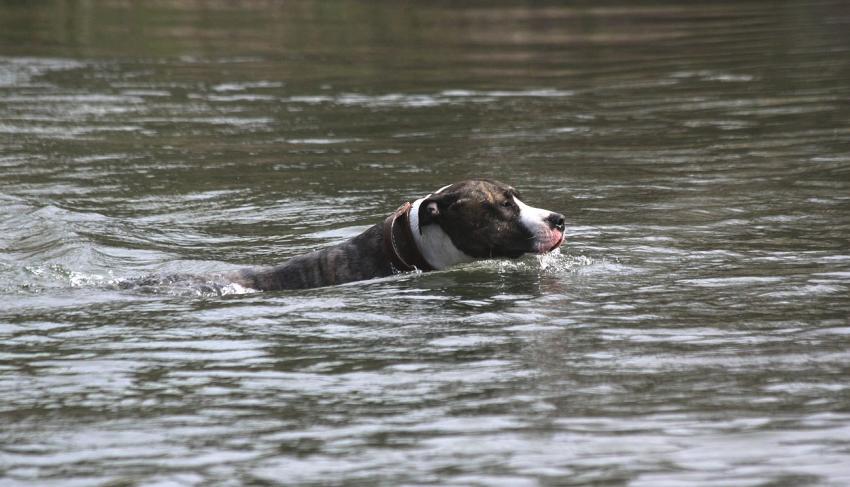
x,y
181,285
57,275
556,263
551,263
548,259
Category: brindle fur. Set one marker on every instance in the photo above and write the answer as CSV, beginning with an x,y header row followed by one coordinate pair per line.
x,y
357,259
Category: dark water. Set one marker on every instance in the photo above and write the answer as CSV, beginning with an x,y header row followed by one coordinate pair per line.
x,y
693,331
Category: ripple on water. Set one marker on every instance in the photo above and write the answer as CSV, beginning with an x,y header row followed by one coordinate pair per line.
x,y
692,330
19,72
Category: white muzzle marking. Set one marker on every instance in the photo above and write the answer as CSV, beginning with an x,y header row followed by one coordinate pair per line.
x,y
535,221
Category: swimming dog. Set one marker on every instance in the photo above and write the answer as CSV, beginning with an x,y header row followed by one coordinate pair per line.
x,y
462,222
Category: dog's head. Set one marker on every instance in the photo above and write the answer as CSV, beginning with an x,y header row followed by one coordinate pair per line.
x,y
481,219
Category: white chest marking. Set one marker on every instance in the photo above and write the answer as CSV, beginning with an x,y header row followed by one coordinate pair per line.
x,y
434,244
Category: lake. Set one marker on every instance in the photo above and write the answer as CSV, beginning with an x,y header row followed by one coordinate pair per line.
x,y
694,329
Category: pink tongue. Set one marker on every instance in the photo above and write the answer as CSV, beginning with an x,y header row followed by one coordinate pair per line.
x,y
559,242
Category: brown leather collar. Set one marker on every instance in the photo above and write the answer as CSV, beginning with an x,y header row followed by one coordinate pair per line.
x,y
399,245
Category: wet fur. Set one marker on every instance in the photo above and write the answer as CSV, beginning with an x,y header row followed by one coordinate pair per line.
x,y
357,259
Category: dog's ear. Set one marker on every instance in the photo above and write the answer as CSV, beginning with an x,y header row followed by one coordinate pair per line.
x,y
429,212
433,207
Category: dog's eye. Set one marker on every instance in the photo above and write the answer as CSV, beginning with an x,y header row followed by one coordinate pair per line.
x,y
507,204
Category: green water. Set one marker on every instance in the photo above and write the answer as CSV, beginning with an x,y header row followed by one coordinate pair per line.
x,y
692,331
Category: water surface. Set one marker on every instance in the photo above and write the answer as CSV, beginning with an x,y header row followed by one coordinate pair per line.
x,y
692,331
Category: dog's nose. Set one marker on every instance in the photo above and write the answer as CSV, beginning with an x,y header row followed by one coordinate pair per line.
x,y
557,220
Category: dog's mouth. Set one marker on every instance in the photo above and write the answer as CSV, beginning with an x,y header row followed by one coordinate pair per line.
x,y
558,243
555,240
